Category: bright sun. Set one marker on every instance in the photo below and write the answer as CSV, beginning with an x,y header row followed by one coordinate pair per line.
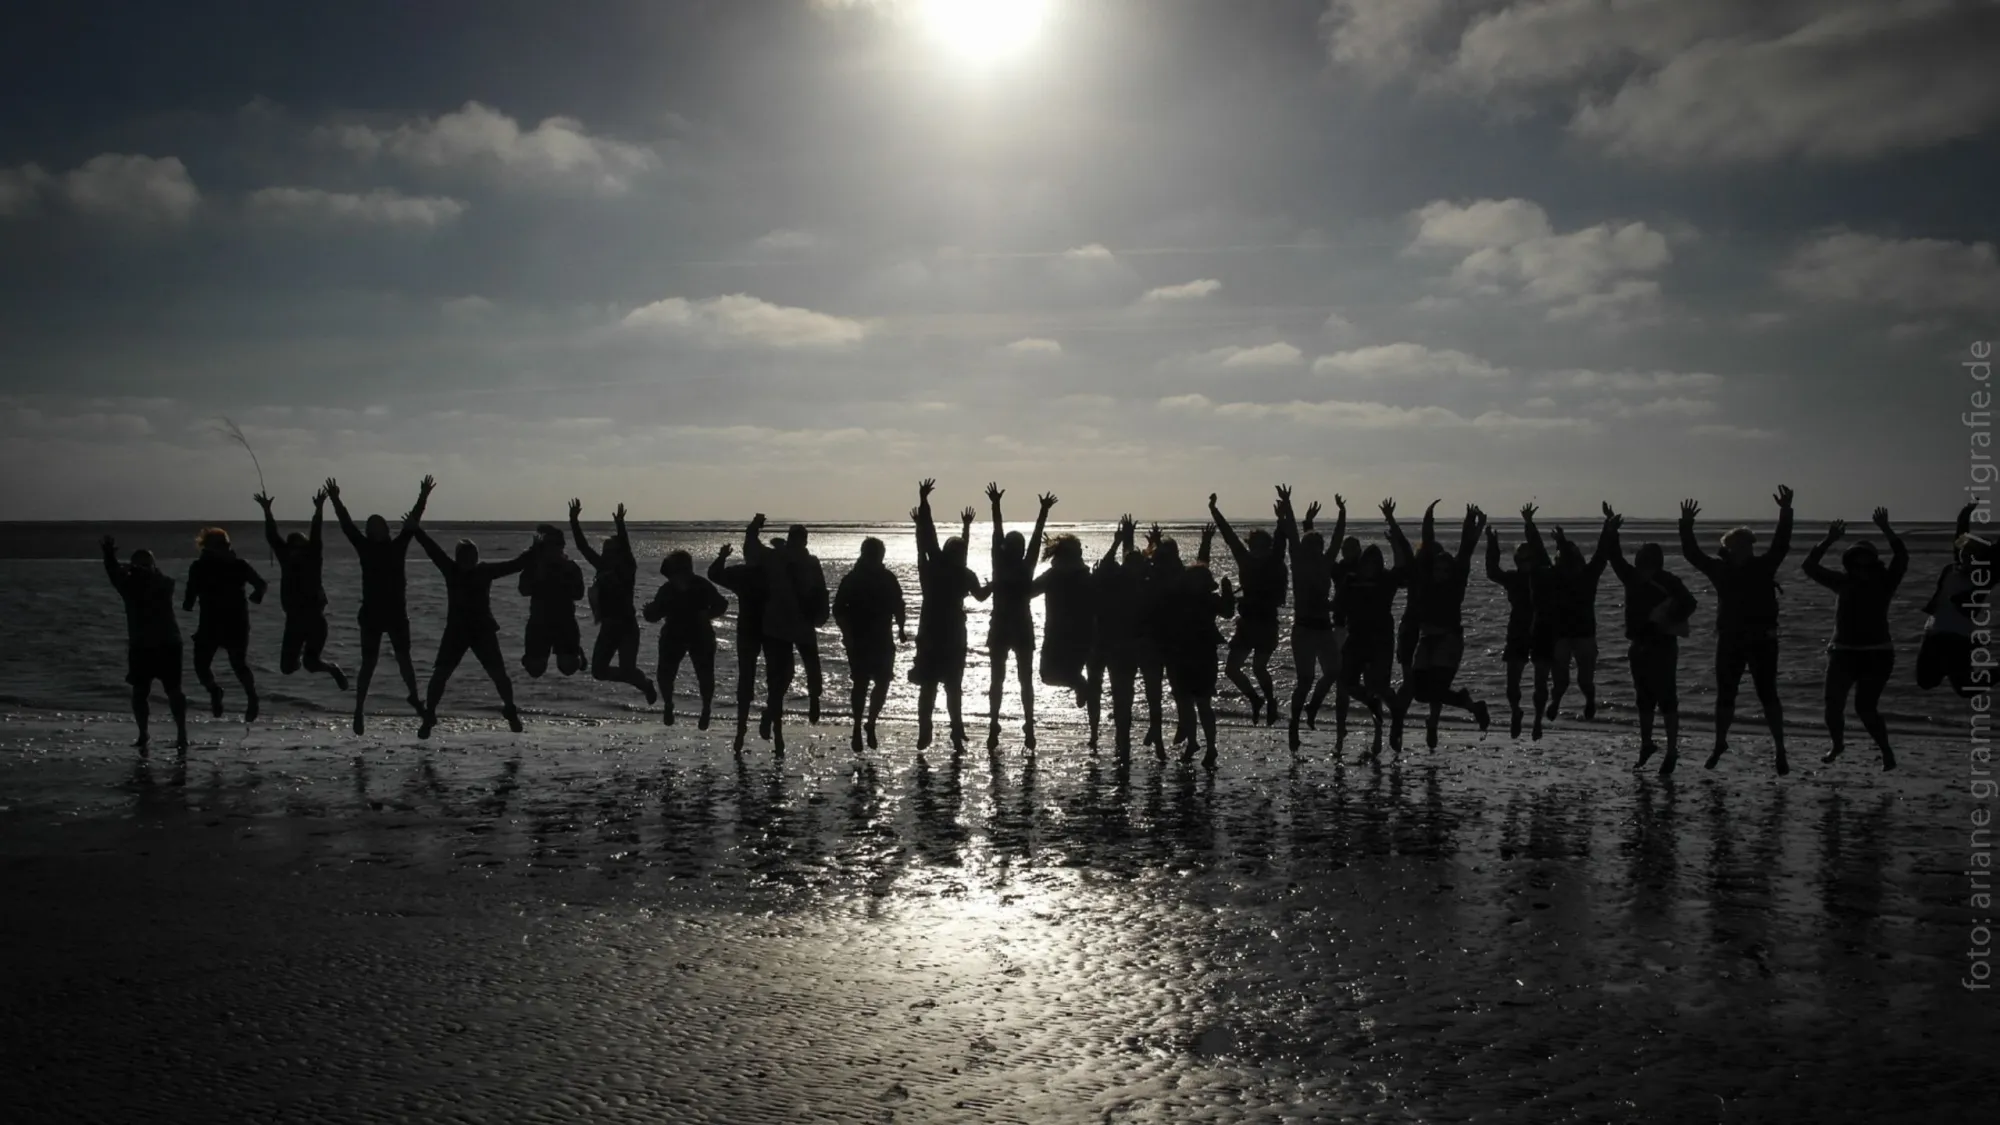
x,y
984,30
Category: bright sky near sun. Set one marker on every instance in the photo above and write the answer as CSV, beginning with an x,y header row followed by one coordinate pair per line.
x,y
711,258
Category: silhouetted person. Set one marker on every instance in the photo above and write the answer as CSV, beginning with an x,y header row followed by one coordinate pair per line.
x,y
384,610
1862,653
1260,573
1011,629
1070,657
301,592
217,580
1369,654
1190,602
152,639
815,606
553,584
1120,589
1657,608
946,583
1441,576
469,624
612,592
786,625
1572,590
1746,618
751,586
1520,585
1946,652
1153,582
1315,641
869,600
686,607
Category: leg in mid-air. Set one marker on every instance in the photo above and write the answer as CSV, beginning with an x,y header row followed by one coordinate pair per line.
x,y
1303,663
486,650
1841,673
1584,650
1241,646
1152,675
857,703
748,649
954,703
615,657
1093,698
1515,666
1654,663
809,662
536,649
1562,651
303,641
1731,658
451,649
239,663
1024,674
204,671
1876,668
926,705
878,698
672,650
996,686
701,654
778,669
1764,676
1119,672
371,652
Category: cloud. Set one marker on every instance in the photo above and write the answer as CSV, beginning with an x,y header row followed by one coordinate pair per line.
x,y
136,189
381,207
1186,291
1261,357
1665,407
1034,346
742,319
1339,329
1088,402
785,241
557,153
21,189
1728,432
1583,379
91,424
1405,361
1092,252
1696,81
1349,415
1510,249
1913,274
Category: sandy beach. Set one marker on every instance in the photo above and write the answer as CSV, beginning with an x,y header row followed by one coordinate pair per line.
x,y
624,922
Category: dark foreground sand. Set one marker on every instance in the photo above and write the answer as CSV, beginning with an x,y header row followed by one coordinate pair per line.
x,y
624,923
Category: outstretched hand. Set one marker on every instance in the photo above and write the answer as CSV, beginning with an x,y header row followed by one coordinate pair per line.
x,y
1783,496
994,492
1048,500
1492,535
757,520
1389,508
319,499
263,500
1528,511
1835,530
618,513
1154,535
1605,506
575,508
726,551
925,486
916,514
1312,511
1285,495
332,487
1689,510
1211,501
1339,502
1882,519
1207,533
967,514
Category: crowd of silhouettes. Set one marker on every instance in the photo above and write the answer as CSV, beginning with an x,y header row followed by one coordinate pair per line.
x,y
1142,623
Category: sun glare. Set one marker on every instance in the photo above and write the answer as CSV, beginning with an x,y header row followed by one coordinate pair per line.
x,y
984,30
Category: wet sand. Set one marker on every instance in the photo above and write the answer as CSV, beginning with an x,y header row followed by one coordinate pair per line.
x,y
624,922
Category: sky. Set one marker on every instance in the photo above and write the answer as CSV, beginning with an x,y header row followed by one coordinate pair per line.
x,y
708,257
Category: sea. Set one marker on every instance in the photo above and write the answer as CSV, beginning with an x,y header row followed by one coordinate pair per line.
x,y
65,635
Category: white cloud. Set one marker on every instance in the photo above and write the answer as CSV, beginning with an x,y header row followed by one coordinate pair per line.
x,y
1339,329
1034,346
1405,361
1186,291
1678,406
1696,81
21,189
1914,274
90,424
1510,249
742,319
1093,252
1729,432
138,189
1262,356
1627,382
559,152
1347,415
381,207
785,241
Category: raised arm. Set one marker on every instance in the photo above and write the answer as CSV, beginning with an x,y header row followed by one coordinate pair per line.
x,y
1288,524
1612,550
1815,569
927,536
424,489
1781,539
1538,552
347,527
1048,500
1899,555
111,567
1427,534
271,536
1690,547
1399,544
754,547
1494,574
1207,545
319,519
1215,516
1339,525
517,563
1601,556
993,493
618,531
595,560
1468,536
414,529
716,567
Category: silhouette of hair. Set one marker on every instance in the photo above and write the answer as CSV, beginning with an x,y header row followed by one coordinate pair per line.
x,y
1371,557
777,544
378,528
954,548
1741,535
1350,546
1860,555
1168,550
551,534
873,550
216,537
677,562
1524,555
1313,542
466,552
1259,540
1064,545
295,539
1649,556
797,534
1017,544
142,558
